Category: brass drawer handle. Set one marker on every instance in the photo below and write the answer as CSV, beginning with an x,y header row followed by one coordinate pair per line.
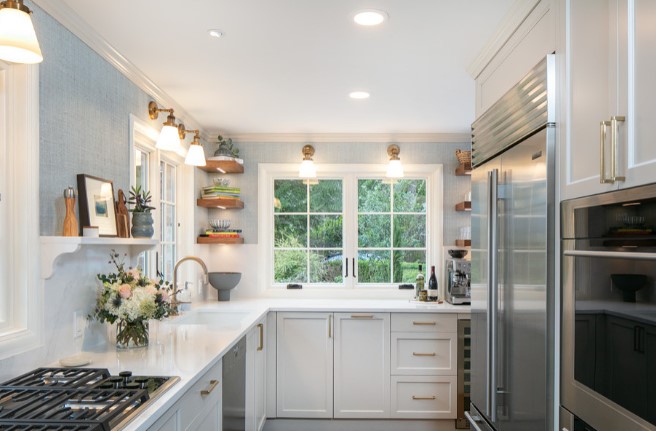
x,y
424,323
261,328
414,397
423,354
362,316
210,388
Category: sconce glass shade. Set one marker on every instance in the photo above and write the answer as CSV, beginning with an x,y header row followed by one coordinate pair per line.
x,y
395,169
307,169
195,156
18,42
168,139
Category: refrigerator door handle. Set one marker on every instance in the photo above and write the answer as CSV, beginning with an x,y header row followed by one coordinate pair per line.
x,y
492,294
473,421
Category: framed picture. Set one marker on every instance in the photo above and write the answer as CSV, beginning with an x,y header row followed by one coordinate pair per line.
x,y
96,204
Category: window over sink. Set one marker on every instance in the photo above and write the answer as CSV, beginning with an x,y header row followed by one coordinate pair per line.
x,y
352,228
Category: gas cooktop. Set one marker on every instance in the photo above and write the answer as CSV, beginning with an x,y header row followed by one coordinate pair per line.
x,y
71,399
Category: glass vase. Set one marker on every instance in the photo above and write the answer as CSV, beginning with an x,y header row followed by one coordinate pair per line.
x,y
131,335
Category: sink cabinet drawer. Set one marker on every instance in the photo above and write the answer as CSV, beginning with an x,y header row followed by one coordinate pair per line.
x,y
424,322
422,397
424,354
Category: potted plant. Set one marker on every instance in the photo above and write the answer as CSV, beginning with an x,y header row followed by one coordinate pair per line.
x,y
142,219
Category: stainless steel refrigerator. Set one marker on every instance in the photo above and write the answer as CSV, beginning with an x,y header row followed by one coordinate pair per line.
x,y
513,240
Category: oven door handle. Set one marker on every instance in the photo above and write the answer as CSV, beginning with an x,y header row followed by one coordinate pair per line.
x,y
610,254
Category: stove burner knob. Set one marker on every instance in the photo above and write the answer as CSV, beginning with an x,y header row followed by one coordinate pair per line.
x,y
142,381
126,376
117,382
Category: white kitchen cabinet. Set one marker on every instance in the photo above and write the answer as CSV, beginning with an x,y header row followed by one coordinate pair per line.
x,y
256,377
424,366
362,368
304,372
199,409
608,73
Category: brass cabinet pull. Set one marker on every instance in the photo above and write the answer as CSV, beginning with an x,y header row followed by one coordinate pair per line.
x,y
414,397
362,316
210,388
613,148
423,354
330,326
261,328
414,322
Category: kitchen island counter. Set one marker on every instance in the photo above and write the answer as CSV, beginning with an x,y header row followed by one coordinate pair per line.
x,y
187,348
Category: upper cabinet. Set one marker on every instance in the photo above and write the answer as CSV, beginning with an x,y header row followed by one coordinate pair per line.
x,y
607,96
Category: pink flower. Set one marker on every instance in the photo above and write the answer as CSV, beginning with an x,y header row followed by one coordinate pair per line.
x,y
165,295
125,291
150,289
135,273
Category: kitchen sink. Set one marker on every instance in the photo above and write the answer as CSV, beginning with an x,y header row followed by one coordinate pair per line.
x,y
213,318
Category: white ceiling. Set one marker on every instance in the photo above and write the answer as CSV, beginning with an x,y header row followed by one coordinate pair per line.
x,y
287,66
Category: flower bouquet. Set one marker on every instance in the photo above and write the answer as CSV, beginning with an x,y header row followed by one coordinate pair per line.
x,y
131,299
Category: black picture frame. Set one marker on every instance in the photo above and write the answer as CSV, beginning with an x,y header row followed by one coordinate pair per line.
x,y
97,206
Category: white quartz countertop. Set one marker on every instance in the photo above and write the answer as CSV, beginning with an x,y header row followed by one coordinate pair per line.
x,y
189,350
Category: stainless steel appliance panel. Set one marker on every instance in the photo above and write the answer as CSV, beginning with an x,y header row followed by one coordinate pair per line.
x,y
512,282
609,328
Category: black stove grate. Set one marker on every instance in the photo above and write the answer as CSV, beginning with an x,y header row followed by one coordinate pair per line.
x,y
76,399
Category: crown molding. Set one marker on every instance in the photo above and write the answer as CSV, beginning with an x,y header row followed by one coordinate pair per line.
x,y
517,13
67,17
348,137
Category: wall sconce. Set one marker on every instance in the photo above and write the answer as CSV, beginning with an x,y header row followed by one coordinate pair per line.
x,y
196,154
169,137
307,169
18,42
394,167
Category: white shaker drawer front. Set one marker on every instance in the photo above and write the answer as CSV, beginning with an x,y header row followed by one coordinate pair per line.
x,y
203,395
422,397
424,354
424,322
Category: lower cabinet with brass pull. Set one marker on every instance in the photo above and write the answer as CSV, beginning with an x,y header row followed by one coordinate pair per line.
x,y
256,377
424,366
200,408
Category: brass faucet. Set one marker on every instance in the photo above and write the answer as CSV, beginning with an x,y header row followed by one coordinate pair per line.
x,y
174,299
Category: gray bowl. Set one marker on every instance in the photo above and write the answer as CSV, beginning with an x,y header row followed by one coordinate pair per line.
x,y
223,282
629,284
457,254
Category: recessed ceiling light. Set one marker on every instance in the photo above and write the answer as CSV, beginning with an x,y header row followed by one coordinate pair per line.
x,y
369,17
215,33
359,95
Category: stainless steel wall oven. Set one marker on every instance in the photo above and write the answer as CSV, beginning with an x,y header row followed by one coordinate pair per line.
x,y
609,310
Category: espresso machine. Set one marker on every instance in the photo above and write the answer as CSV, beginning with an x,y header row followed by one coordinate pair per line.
x,y
458,277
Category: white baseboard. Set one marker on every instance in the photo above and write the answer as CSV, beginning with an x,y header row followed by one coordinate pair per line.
x,y
358,425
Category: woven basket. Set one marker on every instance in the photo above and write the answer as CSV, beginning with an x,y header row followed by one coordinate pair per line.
x,y
464,157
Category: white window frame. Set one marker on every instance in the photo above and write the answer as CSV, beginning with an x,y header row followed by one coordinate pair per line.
x,y
268,172
144,137
19,188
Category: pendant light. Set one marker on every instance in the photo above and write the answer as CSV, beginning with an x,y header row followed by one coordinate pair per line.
x,y
196,154
18,42
394,167
169,137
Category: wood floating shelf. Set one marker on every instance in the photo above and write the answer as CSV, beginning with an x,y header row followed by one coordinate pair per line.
x,y
223,167
463,243
463,170
463,206
220,203
215,240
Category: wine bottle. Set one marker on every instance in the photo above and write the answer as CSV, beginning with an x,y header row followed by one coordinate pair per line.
x,y
432,285
419,283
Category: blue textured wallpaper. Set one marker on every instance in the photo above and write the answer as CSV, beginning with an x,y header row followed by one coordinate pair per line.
x,y
85,105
